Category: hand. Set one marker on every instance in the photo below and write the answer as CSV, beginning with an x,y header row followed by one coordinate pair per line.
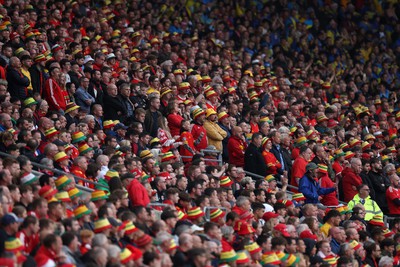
x,y
284,181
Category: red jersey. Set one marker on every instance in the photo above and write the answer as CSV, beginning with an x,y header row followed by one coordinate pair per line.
x,y
298,170
392,194
328,199
174,124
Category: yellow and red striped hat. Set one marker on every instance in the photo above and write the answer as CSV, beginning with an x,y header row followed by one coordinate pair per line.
x,y
270,257
225,181
51,132
62,181
101,225
252,248
60,156
195,213
81,210
74,193
63,196
242,257
215,214
98,195
13,244
130,228
126,255
377,220
47,192
78,137
322,168
84,148
168,156
110,174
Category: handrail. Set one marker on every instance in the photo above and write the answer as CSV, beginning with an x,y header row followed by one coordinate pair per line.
x,y
80,187
54,170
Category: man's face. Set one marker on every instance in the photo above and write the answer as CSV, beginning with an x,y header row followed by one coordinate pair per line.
x,y
257,141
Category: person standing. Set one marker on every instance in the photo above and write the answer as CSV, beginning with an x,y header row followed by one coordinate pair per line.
x,y
253,158
351,179
393,195
17,82
82,97
215,134
237,147
54,95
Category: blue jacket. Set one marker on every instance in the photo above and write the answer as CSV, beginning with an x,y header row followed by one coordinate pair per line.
x,y
312,190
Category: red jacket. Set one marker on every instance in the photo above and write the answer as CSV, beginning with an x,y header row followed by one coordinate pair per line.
x,y
55,96
196,131
174,124
236,149
44,255
350,181
138,194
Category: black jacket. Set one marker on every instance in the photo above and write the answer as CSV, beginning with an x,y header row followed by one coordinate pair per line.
x,y
100,89
379,185
17,83
285,161
114,109
38,79
254,160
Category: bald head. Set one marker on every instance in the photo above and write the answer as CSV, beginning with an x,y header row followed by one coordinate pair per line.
x,y
237,131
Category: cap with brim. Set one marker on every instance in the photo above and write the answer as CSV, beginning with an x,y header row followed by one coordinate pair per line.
x,y
71,106
155,140
39,58
29,102
74,193
215,214
81,210
84,148
195,213
102,225
98,195
13,244
62,181
178,72
311,166
270,258
165,91
331,260
63,196
28,178
51,132
269,215
348,155
339,153
78,137
225,181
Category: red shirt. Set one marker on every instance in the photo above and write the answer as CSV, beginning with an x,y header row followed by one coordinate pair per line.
x,y
138,194
55,96
392,194
298,170
236,149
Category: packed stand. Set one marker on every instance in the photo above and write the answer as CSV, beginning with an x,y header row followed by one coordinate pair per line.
x,y
199,133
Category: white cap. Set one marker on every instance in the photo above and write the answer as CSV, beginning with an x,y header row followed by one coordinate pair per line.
x,y
87,59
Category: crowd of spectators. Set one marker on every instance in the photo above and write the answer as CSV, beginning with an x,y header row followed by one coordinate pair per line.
x,y
199,133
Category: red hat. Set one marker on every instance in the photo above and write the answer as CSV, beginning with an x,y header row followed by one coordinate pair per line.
x,y
166,175
308,234
269,215
143,241
287,202
137,253
47,192
195,213
282,229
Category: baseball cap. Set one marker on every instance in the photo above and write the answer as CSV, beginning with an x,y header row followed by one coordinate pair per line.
x,y
10,218
120,126
311,166
280,227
